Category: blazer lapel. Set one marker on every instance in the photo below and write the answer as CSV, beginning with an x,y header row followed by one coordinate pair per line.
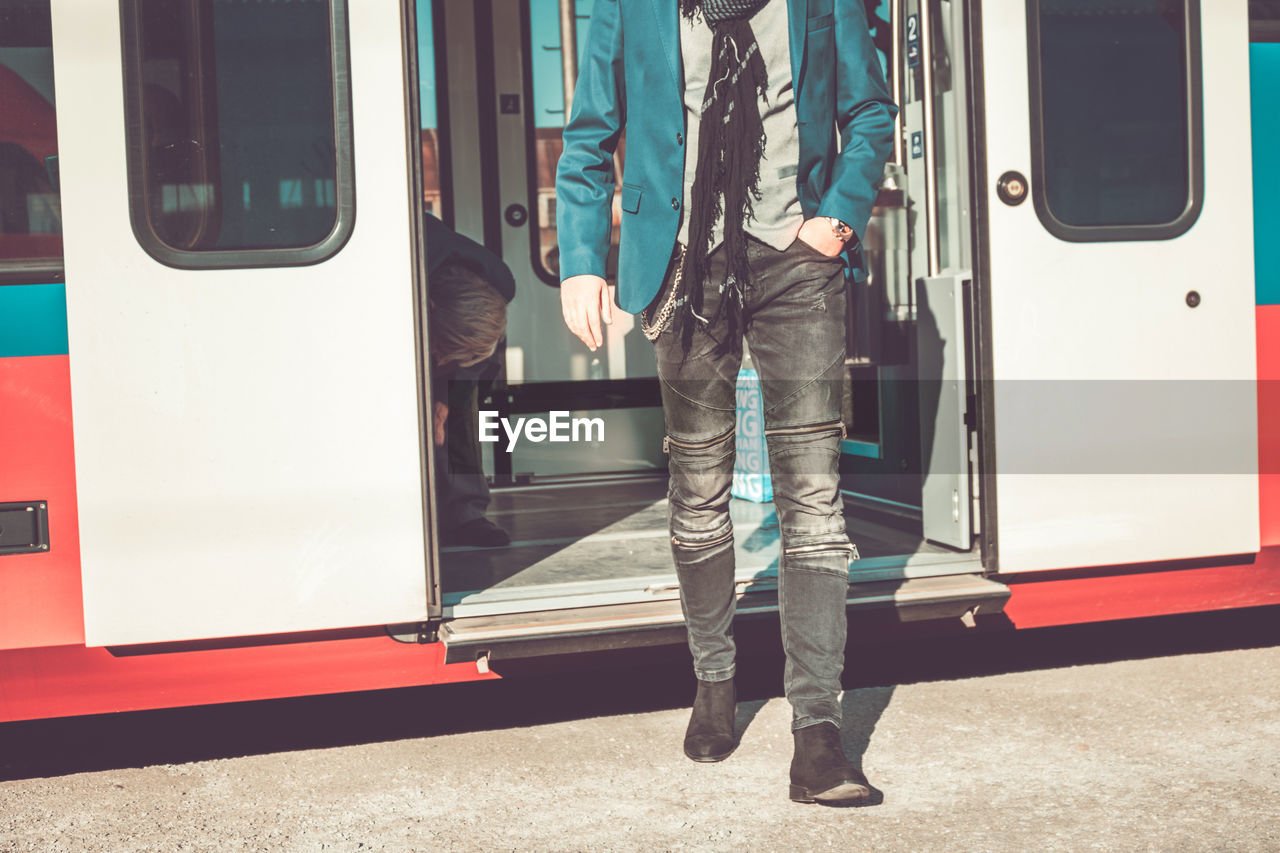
x,y
667,13
798,19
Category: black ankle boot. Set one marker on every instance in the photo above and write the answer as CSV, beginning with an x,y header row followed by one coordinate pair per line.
x,y
710,733
820,772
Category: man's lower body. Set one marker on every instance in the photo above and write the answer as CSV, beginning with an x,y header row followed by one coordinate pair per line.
x,y
462,489
793,311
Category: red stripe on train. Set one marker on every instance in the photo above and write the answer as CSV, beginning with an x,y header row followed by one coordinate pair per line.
x,y
1070,597
40,593
1269,422
73,680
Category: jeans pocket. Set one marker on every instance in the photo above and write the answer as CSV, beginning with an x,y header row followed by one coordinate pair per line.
x,y
815,254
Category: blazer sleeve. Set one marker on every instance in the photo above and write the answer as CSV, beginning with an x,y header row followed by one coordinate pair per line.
x,y
864,117
584,176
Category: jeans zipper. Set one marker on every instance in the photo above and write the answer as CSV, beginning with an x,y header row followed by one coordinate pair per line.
x,y
805,430
668,441
828,546
697,546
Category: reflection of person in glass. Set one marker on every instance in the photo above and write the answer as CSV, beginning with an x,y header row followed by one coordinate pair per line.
x,y
468,291
739,210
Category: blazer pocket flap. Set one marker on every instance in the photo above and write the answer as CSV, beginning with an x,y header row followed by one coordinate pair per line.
x,y
821,22
631,198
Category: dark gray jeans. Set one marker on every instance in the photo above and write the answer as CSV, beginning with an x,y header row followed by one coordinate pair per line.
x,y
794,308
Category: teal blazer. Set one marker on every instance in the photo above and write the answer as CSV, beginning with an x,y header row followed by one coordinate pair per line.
x,y
630,78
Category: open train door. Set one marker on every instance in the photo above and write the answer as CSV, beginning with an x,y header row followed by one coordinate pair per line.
x,y
1119,274
244,360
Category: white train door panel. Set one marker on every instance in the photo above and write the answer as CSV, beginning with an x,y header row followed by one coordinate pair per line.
x,y
1121,289
243,357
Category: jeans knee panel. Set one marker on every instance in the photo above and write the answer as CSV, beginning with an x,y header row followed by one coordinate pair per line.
x,y
832,564
805,438
804,393
694,404
827,552
700,454
701,475
812,449
694,545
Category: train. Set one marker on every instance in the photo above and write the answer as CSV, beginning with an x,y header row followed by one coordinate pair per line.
x,y
216,478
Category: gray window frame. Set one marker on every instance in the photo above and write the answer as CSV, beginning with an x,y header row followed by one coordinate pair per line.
x,y
344,178
1195,133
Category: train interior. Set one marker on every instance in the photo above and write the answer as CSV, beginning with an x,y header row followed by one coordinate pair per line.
x,y
588,522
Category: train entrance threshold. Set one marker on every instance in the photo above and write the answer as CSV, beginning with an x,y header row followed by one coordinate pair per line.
x,y
589,568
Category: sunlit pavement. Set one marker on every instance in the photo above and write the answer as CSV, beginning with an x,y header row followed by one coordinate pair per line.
x,y
1155,735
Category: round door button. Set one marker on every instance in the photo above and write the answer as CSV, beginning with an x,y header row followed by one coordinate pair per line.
x,y
1012,188
516,215
675,204
679,139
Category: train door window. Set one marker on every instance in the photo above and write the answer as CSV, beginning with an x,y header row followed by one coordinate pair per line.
x,y
547,70
30,216
436,198
239,127
1115,117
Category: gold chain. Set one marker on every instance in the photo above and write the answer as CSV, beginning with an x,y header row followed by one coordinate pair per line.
x,y
656,328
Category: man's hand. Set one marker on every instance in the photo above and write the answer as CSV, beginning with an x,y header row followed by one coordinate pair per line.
x,y
818,235
583,300
440,414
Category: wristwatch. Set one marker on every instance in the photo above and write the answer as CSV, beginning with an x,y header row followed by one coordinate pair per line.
x,y
842,231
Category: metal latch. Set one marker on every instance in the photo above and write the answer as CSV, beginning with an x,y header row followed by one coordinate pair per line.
x,y
24,527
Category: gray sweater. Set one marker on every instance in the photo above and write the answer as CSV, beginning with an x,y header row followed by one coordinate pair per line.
x,y
777,214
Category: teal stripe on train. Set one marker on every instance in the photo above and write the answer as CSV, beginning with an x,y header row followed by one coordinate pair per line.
x,y
33,320
1264,85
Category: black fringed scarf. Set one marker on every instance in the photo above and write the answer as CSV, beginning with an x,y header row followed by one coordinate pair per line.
x,y
730,145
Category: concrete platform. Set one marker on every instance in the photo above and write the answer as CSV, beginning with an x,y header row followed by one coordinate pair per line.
x,y
1159,734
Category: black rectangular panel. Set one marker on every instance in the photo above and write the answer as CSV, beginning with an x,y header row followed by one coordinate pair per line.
x,y
24,527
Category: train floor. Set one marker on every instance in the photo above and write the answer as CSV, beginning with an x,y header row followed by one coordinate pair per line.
x,y
569,534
